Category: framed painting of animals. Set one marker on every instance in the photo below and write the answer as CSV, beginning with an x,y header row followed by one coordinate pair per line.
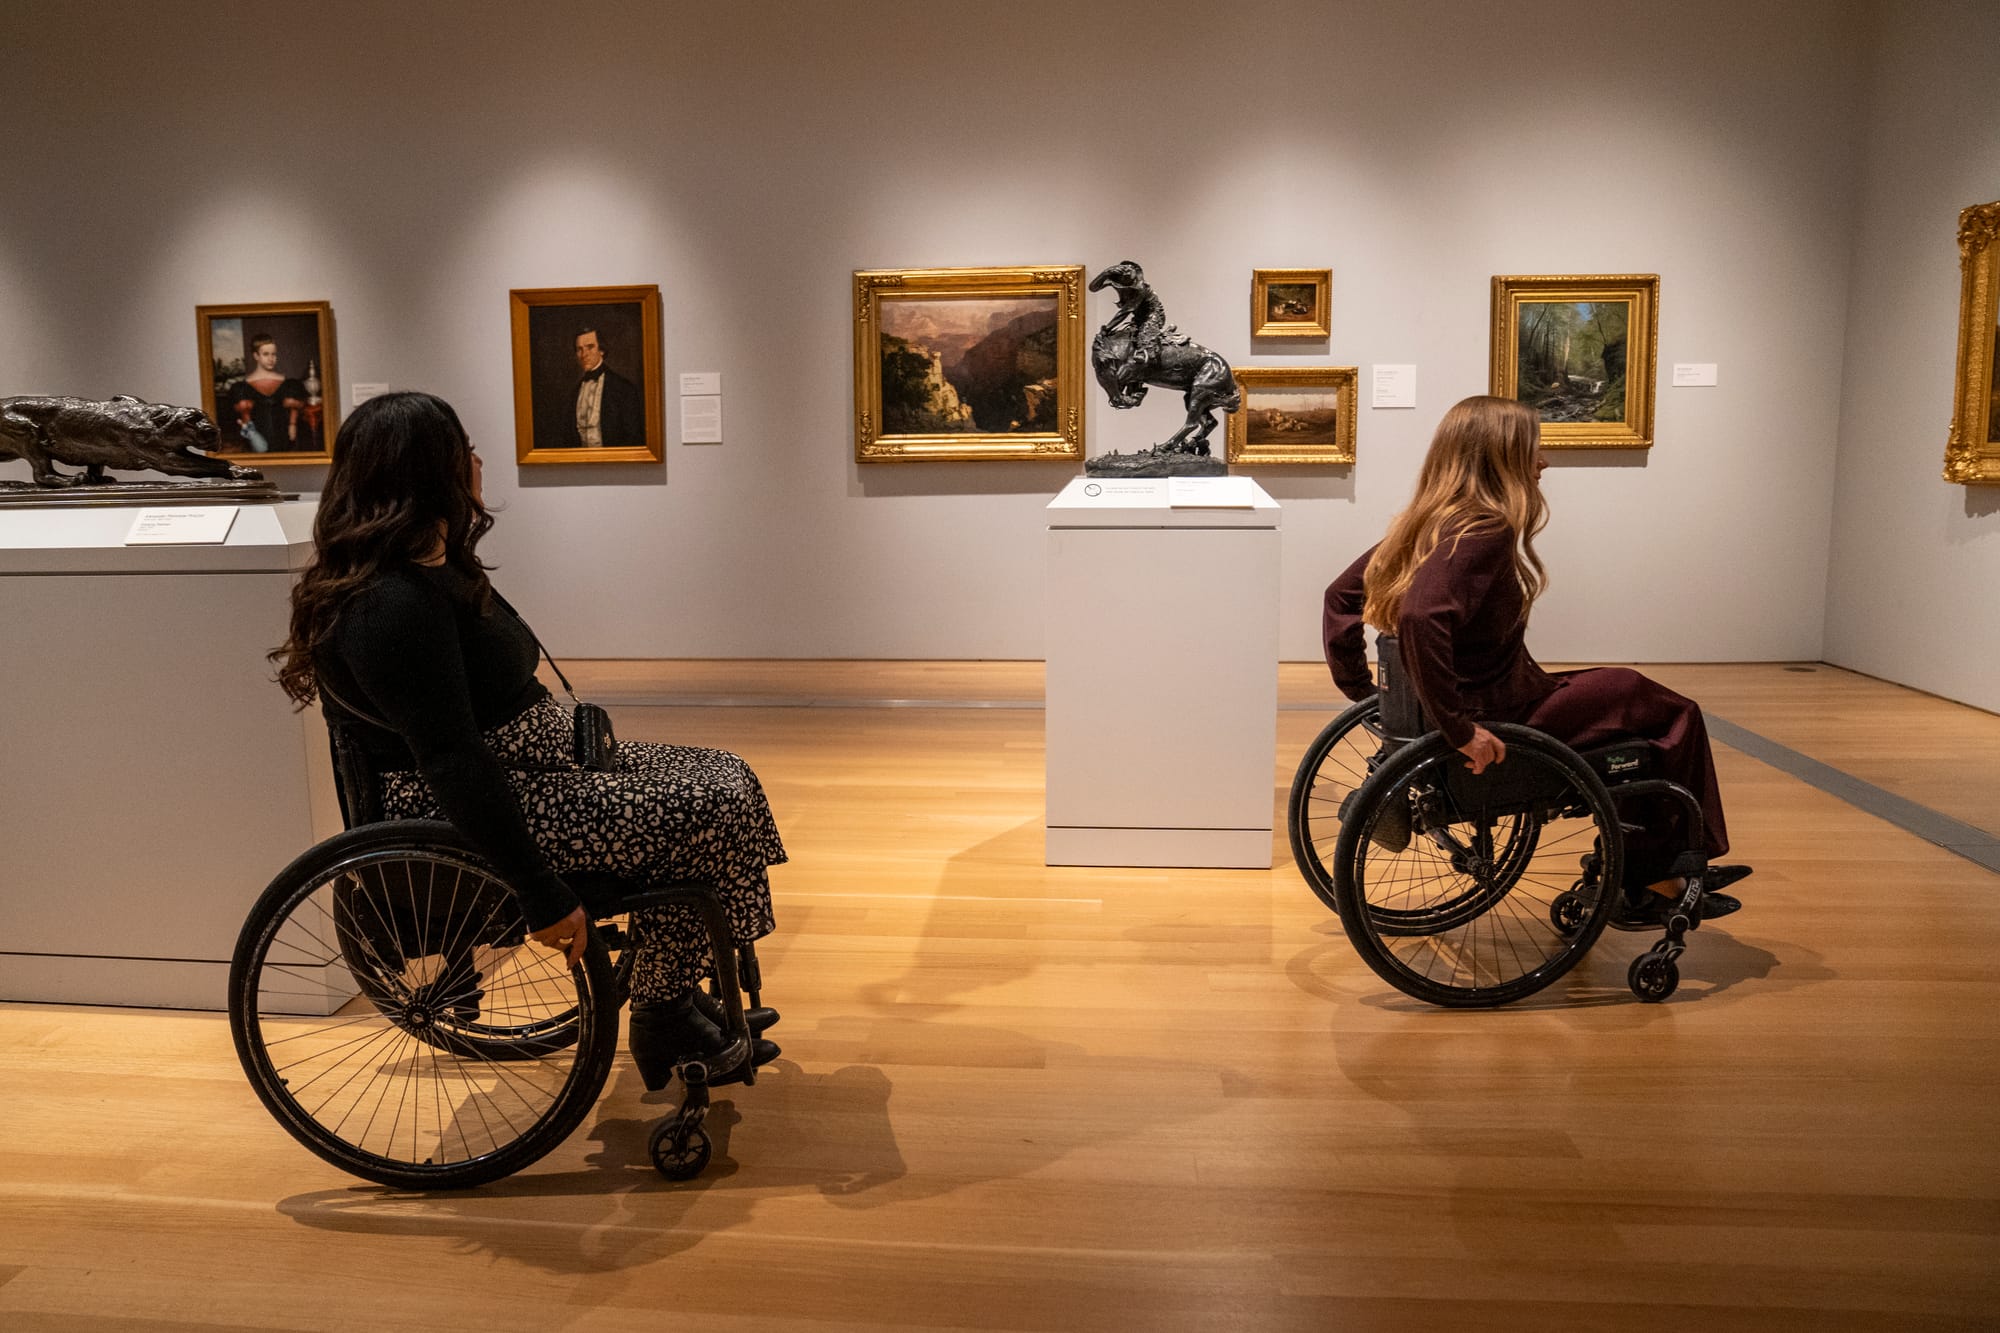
x,y
1294,414
1290,302
1581,352
1972,454
968,363
268,379
587,375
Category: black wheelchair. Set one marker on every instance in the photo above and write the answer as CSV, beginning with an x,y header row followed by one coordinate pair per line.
x,y
392,1015
1472,891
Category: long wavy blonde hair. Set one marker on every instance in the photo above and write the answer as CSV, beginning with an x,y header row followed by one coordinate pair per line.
x,y
1478,476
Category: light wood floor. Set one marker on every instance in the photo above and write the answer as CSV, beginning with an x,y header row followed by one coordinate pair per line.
x,y
1018,1097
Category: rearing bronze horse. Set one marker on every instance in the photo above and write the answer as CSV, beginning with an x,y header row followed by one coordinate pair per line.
x,y
1137,348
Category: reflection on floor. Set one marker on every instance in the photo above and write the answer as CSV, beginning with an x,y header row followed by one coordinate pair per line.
x,y
1022,1097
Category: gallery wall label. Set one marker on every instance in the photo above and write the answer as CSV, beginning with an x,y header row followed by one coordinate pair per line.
x,y
1694,374
182,527
363,392
1393,386
701,381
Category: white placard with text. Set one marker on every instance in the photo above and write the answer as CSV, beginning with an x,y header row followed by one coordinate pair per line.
x,y
1394,386
1211,493
1694,374
363,392
701,419
182,527
701,381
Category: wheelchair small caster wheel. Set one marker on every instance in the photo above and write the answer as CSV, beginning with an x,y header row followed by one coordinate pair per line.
x,y
1652,978
1568,912
679,1154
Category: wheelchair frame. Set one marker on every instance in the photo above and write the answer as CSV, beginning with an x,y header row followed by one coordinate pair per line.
x,y
377,934
1407,749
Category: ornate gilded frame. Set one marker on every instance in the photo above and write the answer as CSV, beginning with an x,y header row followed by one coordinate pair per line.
x,y
1642,291
1344,379
647,298
1064,281
1261,281
1972,453
329,374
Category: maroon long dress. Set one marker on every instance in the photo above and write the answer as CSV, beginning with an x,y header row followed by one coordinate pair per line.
x,y
1464,644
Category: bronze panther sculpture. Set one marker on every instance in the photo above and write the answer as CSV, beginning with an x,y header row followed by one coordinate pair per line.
x,y
119,433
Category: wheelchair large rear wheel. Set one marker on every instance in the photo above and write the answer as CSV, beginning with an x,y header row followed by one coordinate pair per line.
x,y
1336,763
1475,891
391,1015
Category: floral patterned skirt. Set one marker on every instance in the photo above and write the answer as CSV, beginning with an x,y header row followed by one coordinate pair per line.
x,y
666,812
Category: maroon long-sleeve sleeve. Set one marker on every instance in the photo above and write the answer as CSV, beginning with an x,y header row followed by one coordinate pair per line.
x,y
1462,636
1340,630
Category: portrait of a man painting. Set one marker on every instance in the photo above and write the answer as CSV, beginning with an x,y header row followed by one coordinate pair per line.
x,y
268,379
968,363
587,375
1580,351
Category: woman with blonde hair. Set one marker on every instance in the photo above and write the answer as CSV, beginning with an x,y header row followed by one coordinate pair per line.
x,y
1454,580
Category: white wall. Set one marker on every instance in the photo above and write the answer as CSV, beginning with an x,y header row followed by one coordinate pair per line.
x,y
1914,593
411,163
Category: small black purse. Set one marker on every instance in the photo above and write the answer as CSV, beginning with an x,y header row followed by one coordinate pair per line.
x,y
595,748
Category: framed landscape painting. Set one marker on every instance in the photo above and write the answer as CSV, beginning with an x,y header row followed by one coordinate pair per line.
x,y
1972,454
267,379
587,380
1581,352
968,363
1294,414
1290,302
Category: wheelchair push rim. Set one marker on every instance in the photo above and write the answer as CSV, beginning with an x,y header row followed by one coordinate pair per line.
x,y
1496,895
1337,762
391,1017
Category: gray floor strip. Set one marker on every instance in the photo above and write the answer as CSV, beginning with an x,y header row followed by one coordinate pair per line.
x,y
1973,843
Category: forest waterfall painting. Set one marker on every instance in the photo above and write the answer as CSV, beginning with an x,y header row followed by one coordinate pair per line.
x,y
1581,352
1571,356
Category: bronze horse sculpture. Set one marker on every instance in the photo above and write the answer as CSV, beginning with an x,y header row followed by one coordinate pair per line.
x,y
1137,349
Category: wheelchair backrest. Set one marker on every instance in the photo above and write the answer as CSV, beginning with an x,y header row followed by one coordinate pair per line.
x,y
354,778
1402,714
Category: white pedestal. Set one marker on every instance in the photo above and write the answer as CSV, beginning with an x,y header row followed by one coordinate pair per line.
x,y
152,777
1162,649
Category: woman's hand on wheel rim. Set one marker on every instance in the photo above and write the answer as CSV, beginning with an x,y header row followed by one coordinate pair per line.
x,y
569,936
1483,749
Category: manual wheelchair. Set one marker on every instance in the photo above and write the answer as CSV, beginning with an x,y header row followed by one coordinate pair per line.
x,y
1473,891
392,1015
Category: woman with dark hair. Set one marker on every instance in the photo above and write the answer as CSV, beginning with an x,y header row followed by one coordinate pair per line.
x,y
395,618
1454,580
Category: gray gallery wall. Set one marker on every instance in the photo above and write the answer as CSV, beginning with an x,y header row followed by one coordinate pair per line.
x,y
1914,591
411,163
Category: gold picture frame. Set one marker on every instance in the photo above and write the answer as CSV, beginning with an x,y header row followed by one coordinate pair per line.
x,y
981,363
1554,332
1972,452
290,412
567,339
1306,415
1291,302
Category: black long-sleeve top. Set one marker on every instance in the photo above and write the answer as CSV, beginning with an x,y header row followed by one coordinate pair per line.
x,y
415,647
1461,632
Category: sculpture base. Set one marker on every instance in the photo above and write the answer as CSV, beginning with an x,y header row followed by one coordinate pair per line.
x,y
27,495
1153,463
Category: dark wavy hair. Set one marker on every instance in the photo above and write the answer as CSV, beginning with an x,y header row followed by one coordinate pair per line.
x,y
401,467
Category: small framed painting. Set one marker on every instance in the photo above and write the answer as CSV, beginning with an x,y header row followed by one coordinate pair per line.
x,y
587,379
1580,351
1290,302
1294,414
267,379
968,363
1972,454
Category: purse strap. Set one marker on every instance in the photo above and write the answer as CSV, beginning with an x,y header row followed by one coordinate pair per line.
x,y
374,721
